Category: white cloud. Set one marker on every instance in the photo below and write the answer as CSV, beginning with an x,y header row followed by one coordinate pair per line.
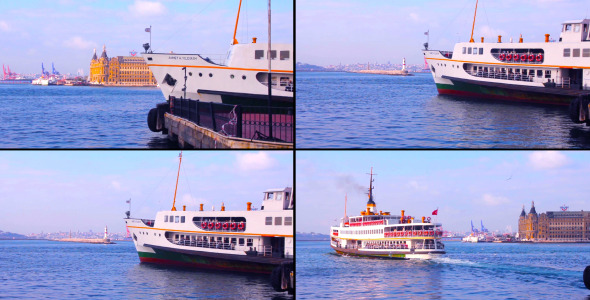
x,y
116,185
547,159
147,8
415,17
255,161
79,43
4,26
417,186
492,200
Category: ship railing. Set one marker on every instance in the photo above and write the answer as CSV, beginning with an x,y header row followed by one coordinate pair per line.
x,y
250,122
447,54
265,251
501,75
563,82
204,244
147,222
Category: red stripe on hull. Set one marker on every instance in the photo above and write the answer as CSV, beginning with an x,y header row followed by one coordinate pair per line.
x,y
195,265
495,97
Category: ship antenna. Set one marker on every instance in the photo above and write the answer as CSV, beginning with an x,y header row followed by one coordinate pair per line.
x,y
236,28
345,199
177,175
473,26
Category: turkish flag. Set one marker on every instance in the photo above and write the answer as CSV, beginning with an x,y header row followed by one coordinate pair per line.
x,y
434,213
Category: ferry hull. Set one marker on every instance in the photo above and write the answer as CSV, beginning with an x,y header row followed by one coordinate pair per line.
x,y
463,89
389,254
164,257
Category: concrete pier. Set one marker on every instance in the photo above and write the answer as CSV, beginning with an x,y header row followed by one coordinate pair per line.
x,y
189,135
386,72
89,241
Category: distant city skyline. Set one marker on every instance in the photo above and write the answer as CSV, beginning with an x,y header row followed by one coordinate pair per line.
x,y
465,186
348,31
51,191
65,32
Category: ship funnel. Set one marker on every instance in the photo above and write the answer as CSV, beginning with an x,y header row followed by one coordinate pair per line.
x,y
222,207
499,39
249,206
482,39
184,208
520,38
546,38
254,40
201,209
422,219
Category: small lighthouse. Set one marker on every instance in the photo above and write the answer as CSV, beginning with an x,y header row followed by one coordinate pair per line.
x,y
106,237
404,64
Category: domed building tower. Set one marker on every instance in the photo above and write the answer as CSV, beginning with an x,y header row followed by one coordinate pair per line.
x,y
103,64
521,223
532,223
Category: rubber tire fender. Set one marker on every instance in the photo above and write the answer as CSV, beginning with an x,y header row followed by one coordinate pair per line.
x,y
152,120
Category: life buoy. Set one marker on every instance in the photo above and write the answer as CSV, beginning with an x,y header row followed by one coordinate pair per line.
x,y
211,225
432,233
516,57
509,57
225,226
203,225
531,57
539,57
524,57
419,233
233,226
502,56
218,225
241,226
428,219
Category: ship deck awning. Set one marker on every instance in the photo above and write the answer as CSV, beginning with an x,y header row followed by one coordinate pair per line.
x,y
523,88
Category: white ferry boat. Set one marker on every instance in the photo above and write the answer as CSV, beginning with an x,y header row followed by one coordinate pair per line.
x,y
252,240
541,72
241,79
380,234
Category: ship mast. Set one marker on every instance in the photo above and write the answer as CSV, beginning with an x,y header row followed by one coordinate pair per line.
x,y
177,175
472,26
236,28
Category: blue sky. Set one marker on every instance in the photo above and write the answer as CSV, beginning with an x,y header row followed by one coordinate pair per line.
x,y
465,185
66,31
351,31
85,190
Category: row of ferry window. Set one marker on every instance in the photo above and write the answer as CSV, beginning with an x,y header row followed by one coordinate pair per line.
x,y
174,219
211,239
530,72
372,231
259,54
279,221
474,50
567,52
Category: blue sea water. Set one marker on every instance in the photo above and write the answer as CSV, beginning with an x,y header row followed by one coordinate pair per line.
x,y
350,110
467,271
34,116
61,270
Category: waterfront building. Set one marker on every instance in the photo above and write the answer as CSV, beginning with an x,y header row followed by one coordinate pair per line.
x,y
554,226
120,71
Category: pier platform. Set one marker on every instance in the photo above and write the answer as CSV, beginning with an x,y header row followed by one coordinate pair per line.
x,y
88,241
190,135
386,72
206,125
